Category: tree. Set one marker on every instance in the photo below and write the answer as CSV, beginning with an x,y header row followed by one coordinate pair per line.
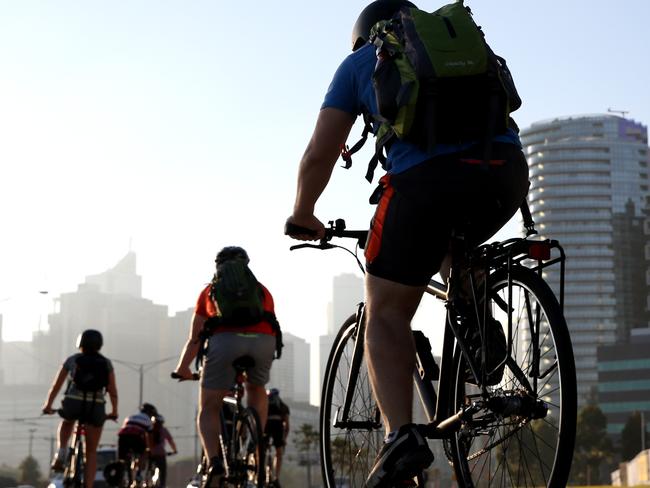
x,y
29,471
306,438
631,444
593,446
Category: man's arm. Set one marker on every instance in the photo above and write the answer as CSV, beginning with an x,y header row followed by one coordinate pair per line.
x,y
191,347
332,130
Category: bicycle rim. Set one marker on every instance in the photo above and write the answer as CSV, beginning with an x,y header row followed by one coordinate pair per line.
x,y
347,453
248,457
269,469
498,449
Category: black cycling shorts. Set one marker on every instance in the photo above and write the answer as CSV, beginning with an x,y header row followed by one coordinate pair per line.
x,y
136,443
419,208
275,430
88,412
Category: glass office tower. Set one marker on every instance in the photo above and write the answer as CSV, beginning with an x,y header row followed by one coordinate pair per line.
x,y
589,190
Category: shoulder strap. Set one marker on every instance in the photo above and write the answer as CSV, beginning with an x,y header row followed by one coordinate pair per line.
x,y
347,152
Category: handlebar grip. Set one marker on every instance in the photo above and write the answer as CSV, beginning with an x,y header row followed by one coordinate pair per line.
x,y
293,230
176,376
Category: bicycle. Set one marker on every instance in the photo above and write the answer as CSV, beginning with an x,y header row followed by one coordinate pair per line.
x,y
509,422
240,437
75,463
156,473
73,472
270,474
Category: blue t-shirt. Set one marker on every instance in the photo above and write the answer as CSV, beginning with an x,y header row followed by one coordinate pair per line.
x,y
351,90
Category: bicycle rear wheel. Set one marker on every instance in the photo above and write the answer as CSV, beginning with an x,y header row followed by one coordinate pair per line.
x,y
247,455
73,476
269,466
348,445
524,433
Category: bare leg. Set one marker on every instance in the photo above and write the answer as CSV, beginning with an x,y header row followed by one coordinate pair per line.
x,y
64,433
259,401
92,440
210,402
390,350
279,452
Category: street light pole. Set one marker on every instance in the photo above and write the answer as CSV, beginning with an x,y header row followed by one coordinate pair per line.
x,y
141,368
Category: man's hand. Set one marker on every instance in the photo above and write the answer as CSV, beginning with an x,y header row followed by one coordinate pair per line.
x,y
184,373
308,222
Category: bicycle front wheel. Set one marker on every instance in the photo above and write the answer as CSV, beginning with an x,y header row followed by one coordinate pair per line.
x,y
524,433
348,442
248,455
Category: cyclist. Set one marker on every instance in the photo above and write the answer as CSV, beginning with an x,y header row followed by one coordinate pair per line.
x,y
227,342
277,427
420,200
160,436
83,370
134,437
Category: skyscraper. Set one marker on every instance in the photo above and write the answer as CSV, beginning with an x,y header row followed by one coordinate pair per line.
x,y
347,293
589,190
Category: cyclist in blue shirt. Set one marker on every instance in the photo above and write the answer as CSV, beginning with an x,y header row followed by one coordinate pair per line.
x,y
420,200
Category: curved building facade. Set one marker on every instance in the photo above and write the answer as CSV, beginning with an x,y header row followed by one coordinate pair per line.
x,y
589,190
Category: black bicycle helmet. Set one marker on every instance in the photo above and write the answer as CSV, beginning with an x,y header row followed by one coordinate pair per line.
x,y
148,409
90,340
232,252
373,13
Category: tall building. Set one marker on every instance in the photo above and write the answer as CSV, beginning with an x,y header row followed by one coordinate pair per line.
x,y
589,190
290,374
624,380
347,293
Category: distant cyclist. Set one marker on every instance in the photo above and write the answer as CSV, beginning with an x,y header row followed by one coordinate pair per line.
x,y
428,190
135,437
277,427
235,313
90,375
160,437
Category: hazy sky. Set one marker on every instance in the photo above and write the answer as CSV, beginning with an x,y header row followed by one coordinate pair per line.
x,y
176,127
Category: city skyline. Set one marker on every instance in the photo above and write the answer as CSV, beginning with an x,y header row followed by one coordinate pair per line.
x,y
121,131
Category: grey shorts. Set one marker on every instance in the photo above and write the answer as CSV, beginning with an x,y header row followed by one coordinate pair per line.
x,y
223,348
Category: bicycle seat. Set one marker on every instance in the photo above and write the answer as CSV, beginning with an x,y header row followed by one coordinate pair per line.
x,y
243,363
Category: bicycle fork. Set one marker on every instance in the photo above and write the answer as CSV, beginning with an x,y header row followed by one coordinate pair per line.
x,y
342,419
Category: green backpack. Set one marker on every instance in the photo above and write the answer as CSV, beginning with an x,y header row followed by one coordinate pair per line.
x,y
238,294
436,81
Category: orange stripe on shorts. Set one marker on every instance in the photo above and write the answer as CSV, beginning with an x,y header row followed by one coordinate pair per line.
x,y
377,228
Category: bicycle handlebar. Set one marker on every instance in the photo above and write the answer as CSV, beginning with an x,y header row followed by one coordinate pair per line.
x,y
176,376
336,229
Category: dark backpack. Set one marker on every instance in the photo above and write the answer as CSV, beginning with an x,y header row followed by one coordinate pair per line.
x,y
90,373
237,293
240,300
436,81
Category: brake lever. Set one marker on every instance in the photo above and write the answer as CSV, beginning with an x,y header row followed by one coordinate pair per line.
x,y
322,246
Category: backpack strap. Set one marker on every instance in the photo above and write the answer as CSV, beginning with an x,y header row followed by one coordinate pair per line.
x,y
273,320
347,152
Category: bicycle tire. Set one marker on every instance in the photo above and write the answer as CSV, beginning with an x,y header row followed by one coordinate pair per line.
x,y
269,467
247,451
73,476
521,449
347,454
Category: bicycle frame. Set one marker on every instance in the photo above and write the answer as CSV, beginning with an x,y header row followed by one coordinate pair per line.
x,y
443,422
